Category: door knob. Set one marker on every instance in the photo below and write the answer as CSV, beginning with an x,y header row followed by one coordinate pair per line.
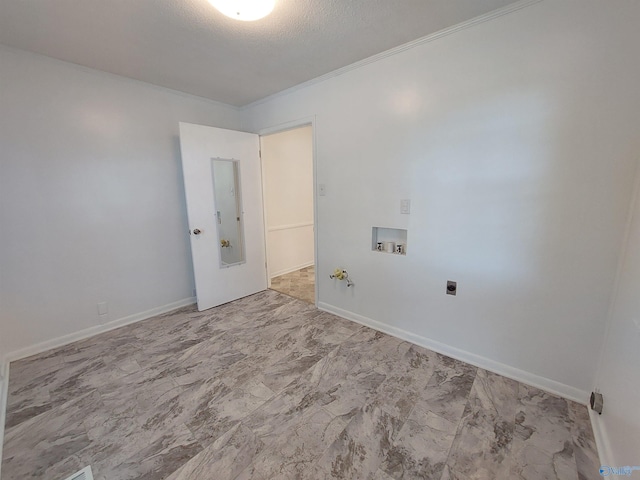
x,y
197,231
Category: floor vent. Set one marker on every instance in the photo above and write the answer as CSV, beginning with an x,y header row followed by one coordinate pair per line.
x,y
84,474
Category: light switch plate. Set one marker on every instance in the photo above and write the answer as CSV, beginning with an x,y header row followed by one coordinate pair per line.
x,y
405,206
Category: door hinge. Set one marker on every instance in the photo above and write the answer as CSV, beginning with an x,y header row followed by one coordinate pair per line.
x,y
260,153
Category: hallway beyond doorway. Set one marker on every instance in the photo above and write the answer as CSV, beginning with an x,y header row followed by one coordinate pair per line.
x,y
298,284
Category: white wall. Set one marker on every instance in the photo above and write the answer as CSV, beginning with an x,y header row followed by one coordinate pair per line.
x,y
92,203
619,373
287,159
516,141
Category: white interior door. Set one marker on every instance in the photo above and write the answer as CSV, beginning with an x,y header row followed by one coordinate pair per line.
x,y
227,250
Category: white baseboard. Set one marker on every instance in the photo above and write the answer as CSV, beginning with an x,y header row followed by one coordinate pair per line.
x,y
551,386
605,452
64,340
90,332
292,269
4,394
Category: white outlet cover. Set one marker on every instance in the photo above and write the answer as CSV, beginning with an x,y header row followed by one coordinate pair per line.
x,y
102,308
405,206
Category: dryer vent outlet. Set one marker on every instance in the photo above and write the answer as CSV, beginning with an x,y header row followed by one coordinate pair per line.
x,y
596,402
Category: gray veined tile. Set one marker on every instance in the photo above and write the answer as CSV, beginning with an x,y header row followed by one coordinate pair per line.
x,y
536,444
223,459
65,468
381,475
179,407
51,389
406,382
268,387
41,442
122,446
266,303
288,369
484,441
421,448
317,333
138,392
282,412
211,358
107,429
79,377
394,398
190,405
587,464
248,368
335,367
150,455
374,350
346,398
26,406
448,389
294,453
418,362
543,420
214,366
113,438
115,345
249,474
329,320
344,380
585,451
362,446
491,401
529,462
220,414
25,373
447,474
291,307
161,352
479,455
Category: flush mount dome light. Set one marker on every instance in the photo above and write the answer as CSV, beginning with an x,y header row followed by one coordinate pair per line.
x,y
246,10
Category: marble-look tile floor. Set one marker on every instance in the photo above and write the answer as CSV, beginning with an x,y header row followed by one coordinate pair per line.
x,y
299,284
268,387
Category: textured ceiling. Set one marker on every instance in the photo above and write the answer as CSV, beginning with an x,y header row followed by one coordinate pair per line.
x,y
189,46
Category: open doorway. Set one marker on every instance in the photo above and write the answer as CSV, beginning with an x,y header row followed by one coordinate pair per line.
x,y
287,172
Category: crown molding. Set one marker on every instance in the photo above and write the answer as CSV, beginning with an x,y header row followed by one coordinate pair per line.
x,y
117,77
399,49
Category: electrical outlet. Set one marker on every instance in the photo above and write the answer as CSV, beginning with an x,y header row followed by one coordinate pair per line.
x,y
103,308
103,313
405,207
322,189
452,287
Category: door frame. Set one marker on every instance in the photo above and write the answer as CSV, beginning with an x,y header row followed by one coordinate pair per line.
x,y
283,127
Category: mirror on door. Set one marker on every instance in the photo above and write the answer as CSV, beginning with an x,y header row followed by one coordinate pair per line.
x,y
228,211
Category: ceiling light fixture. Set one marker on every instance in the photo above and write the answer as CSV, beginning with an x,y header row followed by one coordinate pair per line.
x,y
246,10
